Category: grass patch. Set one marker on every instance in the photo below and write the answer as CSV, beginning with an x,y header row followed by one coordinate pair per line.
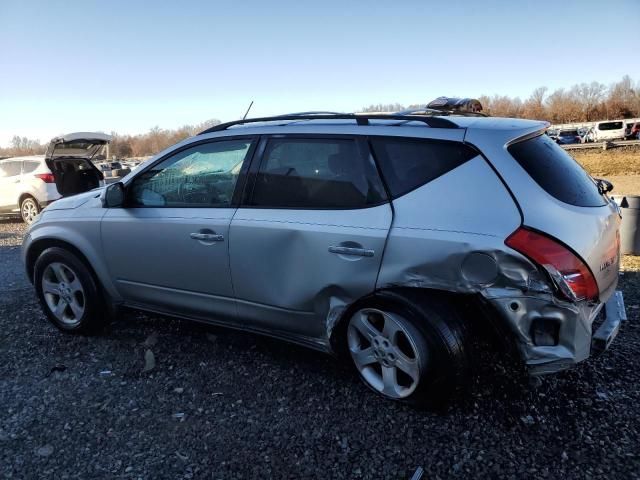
x,y
606,163
630,263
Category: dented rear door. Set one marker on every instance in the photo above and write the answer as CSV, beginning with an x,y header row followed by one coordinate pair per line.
x,y
310,237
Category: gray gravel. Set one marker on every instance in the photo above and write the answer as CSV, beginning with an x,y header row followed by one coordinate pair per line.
x,y
160,398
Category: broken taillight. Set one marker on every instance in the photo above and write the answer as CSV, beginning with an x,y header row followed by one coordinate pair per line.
x,y
572,276
45,177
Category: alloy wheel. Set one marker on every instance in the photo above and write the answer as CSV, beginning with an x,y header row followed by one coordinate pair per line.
x,y
63,293
29,210
384,352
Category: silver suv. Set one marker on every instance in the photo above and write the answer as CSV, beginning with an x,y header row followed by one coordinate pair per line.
x,y
390,239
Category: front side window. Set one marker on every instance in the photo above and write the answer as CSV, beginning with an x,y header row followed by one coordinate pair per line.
x,y
316,173
201,176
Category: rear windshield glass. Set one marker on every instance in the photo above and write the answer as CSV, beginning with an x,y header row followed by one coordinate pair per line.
x,y
569,133
610,126
556,172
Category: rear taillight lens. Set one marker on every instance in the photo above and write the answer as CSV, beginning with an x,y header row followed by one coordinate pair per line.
x,y
573,278
45,177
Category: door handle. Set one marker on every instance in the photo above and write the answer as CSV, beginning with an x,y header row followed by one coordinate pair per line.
x,y
359,252
207,237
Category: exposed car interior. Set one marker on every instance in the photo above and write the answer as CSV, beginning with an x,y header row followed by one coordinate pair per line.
x,y
75,175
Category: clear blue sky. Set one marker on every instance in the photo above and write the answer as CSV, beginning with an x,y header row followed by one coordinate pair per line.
x,y
130,65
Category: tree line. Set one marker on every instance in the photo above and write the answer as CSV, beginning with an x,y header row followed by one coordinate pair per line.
x,y
122,146
583,102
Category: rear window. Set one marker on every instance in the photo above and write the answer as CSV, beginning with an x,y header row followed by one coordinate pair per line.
x,y
556,172
408,163
568,133
610,126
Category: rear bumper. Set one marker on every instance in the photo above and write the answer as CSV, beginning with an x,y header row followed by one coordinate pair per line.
x,y
605,332
580,330
602,326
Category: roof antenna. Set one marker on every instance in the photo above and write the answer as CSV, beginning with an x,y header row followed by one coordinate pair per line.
x,y
247,112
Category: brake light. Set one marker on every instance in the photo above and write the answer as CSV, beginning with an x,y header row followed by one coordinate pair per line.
x,y
45,177
571,275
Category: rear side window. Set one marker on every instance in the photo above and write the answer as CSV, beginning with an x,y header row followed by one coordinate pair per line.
x,y
10,168
318,173
556,172
30,166
408,163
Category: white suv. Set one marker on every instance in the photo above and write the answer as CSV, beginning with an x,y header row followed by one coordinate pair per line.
x,y
26,186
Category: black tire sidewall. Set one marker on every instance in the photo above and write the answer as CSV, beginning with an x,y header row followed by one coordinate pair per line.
x,y
92,318
442,368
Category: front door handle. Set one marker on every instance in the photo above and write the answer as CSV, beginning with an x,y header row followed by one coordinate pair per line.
x,y
207,237
359,252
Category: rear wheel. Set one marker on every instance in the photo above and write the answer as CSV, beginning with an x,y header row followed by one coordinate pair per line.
x,y
29,208
409,351
68,292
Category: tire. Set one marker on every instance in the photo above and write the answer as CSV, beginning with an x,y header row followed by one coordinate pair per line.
x,y
29,208
68,292
438,366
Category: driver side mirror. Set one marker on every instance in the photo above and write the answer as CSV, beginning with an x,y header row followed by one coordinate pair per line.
x,y
113,196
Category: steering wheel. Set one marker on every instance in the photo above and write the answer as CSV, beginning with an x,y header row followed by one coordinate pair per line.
x,y
207,195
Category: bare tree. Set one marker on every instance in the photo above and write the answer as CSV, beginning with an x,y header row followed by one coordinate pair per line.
x,y
590,95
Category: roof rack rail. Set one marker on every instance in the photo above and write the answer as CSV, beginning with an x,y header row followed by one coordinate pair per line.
x,y
317,112
361,119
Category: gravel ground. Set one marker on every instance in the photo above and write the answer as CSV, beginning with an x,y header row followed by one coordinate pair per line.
x,y
217,404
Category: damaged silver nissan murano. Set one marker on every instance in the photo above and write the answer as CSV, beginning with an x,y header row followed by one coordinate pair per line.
x,y
391,239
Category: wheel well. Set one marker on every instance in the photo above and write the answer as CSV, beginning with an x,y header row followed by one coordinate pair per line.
x,y
40,246
467,304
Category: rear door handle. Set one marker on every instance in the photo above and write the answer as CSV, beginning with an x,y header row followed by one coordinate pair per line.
x,y
207,237
359,252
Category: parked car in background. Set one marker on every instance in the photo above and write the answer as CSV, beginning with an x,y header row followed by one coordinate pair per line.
x,y
131,165
70,159
26,186
330,230
609,130
29,184
567,137
634,132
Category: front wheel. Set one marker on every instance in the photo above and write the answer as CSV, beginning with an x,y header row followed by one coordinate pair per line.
x,y
29,208
409,351
67,291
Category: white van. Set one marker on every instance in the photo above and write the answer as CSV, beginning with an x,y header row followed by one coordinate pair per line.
x,y
609,130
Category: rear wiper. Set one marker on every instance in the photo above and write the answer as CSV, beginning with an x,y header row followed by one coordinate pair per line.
x,y
604,186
